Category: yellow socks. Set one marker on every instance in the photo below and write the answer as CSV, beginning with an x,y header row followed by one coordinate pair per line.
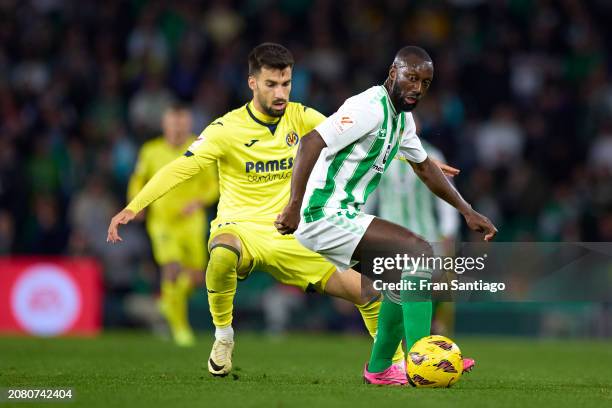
x,y
369,313
221,284
174,306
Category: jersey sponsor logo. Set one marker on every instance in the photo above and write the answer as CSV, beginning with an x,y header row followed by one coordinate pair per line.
x,y
343,122
377,168
269,166
386,157
251,143
292,139
380,167
268,177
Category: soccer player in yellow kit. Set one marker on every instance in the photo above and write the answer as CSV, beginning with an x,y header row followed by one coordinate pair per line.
x,y
254,147
177,222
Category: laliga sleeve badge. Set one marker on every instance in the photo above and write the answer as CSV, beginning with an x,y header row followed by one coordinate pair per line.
x,y
292,139
343,122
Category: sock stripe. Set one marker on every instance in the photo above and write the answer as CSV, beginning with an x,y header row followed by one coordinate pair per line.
x,y
371,301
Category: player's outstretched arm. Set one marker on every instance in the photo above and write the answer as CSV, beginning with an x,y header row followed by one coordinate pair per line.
x,y
123,217
435,180
307,155
167,178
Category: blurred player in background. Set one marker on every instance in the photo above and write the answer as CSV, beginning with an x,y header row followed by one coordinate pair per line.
x,y
254,147
176,223
404,199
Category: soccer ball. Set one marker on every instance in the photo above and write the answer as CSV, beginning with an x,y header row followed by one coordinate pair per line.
x,y
434,361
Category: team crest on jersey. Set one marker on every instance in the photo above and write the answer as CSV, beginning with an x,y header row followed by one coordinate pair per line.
x,y
292,139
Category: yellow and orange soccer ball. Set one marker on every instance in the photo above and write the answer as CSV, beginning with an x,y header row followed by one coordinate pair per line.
x,y
434,361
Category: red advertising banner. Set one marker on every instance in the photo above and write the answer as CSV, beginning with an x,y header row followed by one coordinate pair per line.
x,y
50,296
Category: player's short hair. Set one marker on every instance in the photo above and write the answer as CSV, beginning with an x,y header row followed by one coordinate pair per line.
x,y
269,55
409,50
178,107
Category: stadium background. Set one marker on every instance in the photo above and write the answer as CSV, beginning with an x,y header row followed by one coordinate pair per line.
x,y
521,102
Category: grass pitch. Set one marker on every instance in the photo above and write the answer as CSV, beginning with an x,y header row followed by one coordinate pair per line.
x,y
137,370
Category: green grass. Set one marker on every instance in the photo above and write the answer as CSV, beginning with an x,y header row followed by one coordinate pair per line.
x,y
137,370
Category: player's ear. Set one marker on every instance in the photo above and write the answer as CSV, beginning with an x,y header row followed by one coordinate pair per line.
x,y
392,72
252,81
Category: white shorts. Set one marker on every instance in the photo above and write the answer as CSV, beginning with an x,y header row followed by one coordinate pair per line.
x,y
335,236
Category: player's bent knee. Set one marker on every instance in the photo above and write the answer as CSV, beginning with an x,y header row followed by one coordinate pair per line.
x,y
222,266
227,240
417,245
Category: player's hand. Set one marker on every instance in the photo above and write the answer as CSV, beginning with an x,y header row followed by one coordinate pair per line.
x,y
122,217
192,207
479,223
288,221
140,217
448,171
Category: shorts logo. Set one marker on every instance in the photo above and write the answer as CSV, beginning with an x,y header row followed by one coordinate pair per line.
x,y
292,139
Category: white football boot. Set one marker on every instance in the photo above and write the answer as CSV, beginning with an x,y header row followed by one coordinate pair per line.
x,y
220,360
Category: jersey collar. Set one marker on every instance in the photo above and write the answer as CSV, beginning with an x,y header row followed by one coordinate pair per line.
x,y
268,121
389,100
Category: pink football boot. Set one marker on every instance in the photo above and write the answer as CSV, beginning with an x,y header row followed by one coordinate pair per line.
x,y
393,375
468,364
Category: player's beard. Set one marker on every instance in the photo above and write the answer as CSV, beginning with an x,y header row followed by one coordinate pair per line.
x,y
398,99
270,111
275,112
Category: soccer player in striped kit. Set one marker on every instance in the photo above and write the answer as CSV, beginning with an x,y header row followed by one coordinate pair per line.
x,y
339,164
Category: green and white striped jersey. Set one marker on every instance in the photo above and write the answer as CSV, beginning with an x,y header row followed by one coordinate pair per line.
x,y
404,199
362,138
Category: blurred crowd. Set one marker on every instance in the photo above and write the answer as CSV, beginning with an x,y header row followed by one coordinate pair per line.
x,y
521,102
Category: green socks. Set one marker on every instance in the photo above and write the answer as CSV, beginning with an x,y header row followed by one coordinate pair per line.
x,y
388,336
408,317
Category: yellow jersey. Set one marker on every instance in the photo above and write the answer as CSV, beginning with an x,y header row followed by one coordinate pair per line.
x,y
254,154
154,155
